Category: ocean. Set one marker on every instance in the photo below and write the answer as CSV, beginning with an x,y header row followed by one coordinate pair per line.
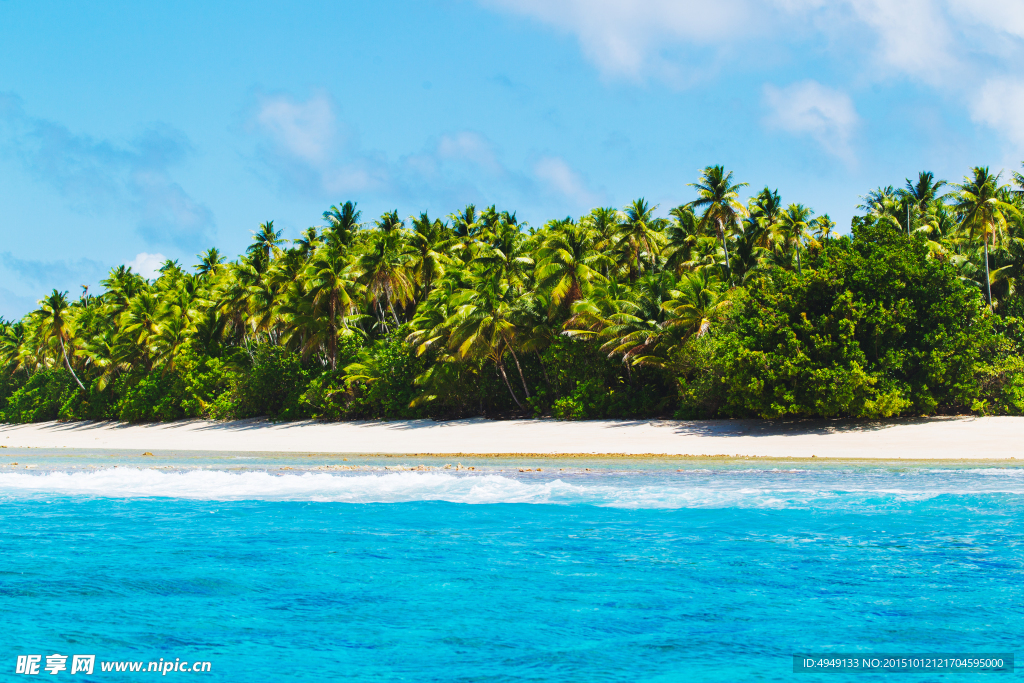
x,y
279,567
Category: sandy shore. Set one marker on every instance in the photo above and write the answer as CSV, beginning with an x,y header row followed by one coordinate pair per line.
x,y
931,438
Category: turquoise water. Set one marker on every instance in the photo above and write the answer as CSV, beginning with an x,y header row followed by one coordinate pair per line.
x,y
718,572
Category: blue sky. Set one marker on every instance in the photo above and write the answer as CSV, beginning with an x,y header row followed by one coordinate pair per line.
x,y
130,132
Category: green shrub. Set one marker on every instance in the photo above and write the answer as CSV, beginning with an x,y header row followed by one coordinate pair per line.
x,y
41,397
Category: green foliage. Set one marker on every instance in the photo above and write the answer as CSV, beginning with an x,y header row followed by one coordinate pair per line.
x,y
41,397
586,384
719,309
876,330
272,386
381,381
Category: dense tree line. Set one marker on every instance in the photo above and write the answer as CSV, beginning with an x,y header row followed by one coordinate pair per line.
x,y
723,309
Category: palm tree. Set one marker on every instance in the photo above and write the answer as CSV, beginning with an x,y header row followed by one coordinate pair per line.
x,y
925,190
389,221
482,326
603,223
333,290
12,337
430,242
466,223
568,264
209,263
265,240
639,233
637,331
719,197
508,254
342,224
388,272
697,303
824,227
793,227
56,324
982,211
309,239
681,237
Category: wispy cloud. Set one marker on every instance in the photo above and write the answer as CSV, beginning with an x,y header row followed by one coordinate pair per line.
x,y
47,272
627,37
107,177
809,108
555,175
942,44
467,146
999,104
310,151
13,305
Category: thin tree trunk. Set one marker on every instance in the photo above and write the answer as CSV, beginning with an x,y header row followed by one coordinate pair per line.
x,y
393,314
799,269
333,345
540,359
501,369
520,369
65,352
725,248
988,281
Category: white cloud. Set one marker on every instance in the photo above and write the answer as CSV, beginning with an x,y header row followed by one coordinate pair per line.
x,y
913,35
630,37
106,176
999,104
1002,16
624,37
472,147
943,44
309,149
147,265
555,174
809,108
305,130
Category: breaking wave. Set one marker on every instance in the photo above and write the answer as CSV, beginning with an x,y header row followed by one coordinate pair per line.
x,y
624,491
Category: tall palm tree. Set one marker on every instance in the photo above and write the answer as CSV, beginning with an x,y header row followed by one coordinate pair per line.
x,y
681,236
332,283
388,272
56,324
389,221
568,264
342,224
508,254
309,239
639,233
824,227
925,190
482,326
792,227
982,211
209,262
265,240
719,197
430,242
603,223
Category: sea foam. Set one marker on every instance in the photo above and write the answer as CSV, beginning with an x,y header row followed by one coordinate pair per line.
x,y
625,491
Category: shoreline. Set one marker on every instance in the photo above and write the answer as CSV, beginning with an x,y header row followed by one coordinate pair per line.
x,y
940,438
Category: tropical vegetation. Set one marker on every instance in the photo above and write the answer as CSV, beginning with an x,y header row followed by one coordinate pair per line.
x,y
713,308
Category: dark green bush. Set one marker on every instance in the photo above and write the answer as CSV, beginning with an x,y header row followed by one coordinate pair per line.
x,y
41,397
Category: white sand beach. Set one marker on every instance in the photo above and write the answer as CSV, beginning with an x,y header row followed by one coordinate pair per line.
x,y
924,438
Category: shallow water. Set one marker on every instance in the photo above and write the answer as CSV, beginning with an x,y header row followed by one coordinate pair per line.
x,y
584,571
